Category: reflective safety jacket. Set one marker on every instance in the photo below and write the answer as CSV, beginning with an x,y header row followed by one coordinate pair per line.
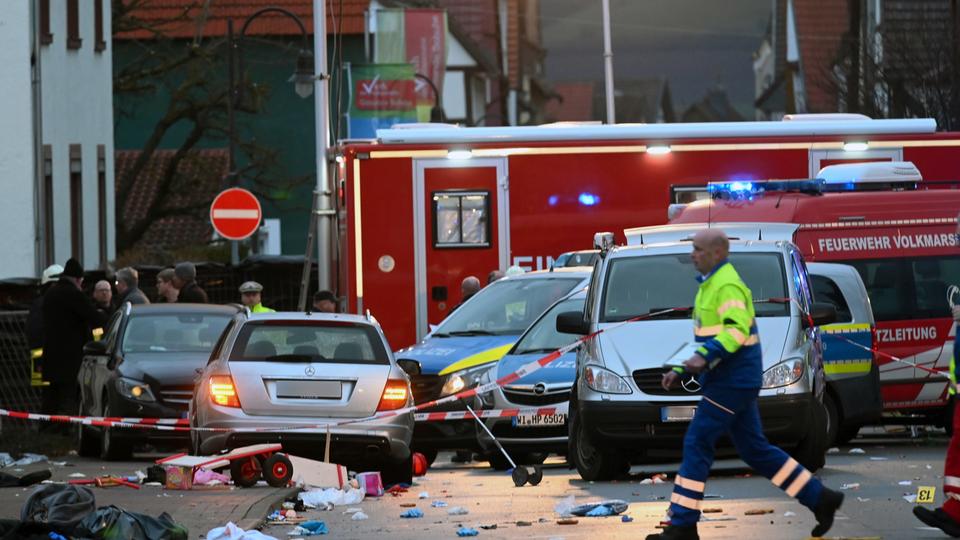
x,y
724,323
953,362
259,308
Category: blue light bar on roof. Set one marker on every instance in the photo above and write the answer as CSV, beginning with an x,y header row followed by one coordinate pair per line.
x,y
739,189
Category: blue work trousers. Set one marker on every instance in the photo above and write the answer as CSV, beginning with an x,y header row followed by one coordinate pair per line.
x,y
733,411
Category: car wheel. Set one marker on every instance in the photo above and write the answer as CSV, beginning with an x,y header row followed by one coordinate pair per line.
x,y
245,472
811,452
87,443
833,419
277,470
846,434
398,472
592,462
112,449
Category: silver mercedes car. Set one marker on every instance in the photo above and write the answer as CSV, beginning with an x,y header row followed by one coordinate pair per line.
x,y
284,370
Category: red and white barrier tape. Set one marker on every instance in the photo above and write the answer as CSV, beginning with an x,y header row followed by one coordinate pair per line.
x,y
177,424
490,413
886,355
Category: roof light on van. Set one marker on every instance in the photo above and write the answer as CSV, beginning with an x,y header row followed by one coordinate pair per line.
x,y
659,149
855,146
739,189
459,154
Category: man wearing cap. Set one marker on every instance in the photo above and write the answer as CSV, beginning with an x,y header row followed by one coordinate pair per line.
x,y
68,316
185,280
250,296
35,323
324,302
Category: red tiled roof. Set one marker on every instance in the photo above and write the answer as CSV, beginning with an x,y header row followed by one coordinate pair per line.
x,y
577,104
820,27
199,177
187,18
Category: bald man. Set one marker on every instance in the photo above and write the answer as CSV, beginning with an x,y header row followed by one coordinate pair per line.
x,y
730,369
468,287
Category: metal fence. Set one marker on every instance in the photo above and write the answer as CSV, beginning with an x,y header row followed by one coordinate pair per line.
x,y
15,390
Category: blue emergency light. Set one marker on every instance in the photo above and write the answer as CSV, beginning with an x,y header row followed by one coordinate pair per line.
x,y
740,189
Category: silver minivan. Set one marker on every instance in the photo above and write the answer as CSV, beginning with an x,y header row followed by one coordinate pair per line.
x,y
618,410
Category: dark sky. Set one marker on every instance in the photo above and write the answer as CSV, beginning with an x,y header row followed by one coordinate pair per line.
x,y
695,44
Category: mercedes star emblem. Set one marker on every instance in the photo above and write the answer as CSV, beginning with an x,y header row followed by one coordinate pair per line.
x,y
691,385
310,371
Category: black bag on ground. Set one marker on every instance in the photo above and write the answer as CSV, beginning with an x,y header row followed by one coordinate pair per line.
x,y
112,523
59,506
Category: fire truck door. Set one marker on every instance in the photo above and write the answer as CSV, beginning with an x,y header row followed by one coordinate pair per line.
x,y
822,158
462,230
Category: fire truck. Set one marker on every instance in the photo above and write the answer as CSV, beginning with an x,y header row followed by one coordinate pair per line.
x,y
897,229
423,206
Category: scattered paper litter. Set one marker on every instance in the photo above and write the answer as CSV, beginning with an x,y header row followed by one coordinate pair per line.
x,y
875,458
359,516
912,498
905,483
789,514
439,504
467,531
232,532
833,450
458,511
855,485
330,497
423,495
78,475
413,513
856,451
564,506
863,499
59,463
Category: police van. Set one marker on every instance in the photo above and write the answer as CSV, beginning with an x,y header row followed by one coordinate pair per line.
x,y
619,412
454,355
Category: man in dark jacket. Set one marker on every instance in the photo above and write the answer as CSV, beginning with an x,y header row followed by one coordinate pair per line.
x,y
128,287
35,329
185,279
68,317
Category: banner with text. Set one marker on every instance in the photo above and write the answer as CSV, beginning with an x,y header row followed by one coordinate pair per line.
x,y
417,36
380,95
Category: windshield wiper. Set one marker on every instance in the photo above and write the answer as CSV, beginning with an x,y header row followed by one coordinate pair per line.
x,y
532,351
669,312
472,333
440,334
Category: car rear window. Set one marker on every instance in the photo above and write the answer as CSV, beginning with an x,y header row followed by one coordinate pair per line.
x,y
184,333
329,342
640,285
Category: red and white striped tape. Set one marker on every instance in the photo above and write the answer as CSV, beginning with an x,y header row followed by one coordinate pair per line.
x,y
490,413
179,424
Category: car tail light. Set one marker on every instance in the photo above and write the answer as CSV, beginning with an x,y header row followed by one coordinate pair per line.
x,y
394,395
223,392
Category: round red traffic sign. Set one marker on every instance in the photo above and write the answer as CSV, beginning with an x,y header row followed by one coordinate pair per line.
x,y
235,213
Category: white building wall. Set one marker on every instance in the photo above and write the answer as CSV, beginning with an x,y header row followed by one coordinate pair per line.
x,y
17,163
77,106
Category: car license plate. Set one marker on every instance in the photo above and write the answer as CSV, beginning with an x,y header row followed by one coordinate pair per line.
x,y
538,420
677,414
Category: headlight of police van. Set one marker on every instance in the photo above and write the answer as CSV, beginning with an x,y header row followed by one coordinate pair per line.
x,y
603,380
783,374
136,390
463,379
487,398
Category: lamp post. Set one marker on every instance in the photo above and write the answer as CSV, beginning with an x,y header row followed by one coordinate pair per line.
x,y
303,80
436,112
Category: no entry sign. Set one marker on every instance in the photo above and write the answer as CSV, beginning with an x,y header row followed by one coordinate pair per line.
x,y
235,214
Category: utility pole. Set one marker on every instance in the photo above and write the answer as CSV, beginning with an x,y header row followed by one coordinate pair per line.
x,y
608,63
322,122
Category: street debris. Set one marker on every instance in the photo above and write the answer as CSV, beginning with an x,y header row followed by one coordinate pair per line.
x,y
114,522
106,481
6,460
911,498
397,490
905,483
655,479
203,477
625,519
712,496
758,512
489,527
423,495
408,505
833,450
878,458
77,475
711,511
439,504
567,521
564,506
29,479
609,507
309,528
855,485
232,532
457,511
863,499
789,514
467,531
330,497
524,524
721,518
413,513
856,451
371,483
359,516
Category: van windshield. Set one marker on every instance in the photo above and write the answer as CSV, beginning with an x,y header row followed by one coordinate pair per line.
x,y
543,335
639,285
507,306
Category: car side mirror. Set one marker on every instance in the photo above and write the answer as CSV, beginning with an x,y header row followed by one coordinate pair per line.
x,y
95,348
821,313
571,322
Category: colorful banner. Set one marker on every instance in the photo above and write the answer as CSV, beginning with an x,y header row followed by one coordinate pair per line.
x,y
417,36
380,95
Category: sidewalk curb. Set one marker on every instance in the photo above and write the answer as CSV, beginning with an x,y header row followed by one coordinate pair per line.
x,y
256,515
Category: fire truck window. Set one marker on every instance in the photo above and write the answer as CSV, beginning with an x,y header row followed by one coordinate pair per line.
x,y
909,288
461,219
688,194
889,290
931,277
826,290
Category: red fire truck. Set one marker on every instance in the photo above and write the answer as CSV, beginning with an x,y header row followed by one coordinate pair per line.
x,y
899,233
422,207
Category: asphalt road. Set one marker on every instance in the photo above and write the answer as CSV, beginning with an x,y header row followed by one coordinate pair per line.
x,y
875,509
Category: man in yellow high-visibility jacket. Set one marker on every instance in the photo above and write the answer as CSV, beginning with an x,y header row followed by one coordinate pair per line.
x,y
731,364
250,293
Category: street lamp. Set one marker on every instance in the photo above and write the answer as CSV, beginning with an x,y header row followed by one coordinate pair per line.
x,y
436,112
302,79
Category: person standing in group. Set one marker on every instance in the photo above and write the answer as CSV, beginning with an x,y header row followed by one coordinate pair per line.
x,y
324,302
730,368
128,287
68,317
185,280
167,292
468,287
103,297
947,517
250,295
494,275
35,330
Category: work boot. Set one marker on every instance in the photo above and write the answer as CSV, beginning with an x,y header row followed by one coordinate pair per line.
x,y
939,519
676,532
830,501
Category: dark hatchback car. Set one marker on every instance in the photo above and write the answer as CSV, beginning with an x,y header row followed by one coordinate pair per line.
x,y
145,367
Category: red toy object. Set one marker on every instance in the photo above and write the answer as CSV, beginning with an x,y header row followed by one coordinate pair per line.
x,y
420,464
104,482
247,464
